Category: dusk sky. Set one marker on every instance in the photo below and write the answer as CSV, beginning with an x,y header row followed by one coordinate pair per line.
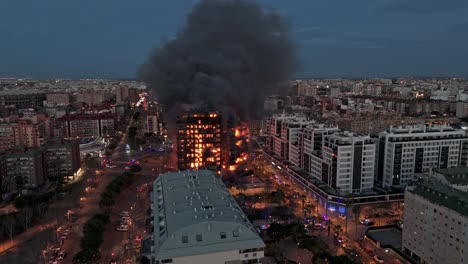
x,y
340,38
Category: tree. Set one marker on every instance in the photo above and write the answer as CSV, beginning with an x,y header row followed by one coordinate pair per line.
x,y
268,185
337,229
275,230
144,260
21,181
41,209
8,224
342,259
25,217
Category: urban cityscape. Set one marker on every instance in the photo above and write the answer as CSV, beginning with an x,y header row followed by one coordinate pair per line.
x,y
217,149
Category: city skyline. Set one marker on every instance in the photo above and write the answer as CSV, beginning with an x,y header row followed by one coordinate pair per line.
x,y
366,39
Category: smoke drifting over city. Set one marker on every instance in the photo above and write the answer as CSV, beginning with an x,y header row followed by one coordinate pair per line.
x,y
228,55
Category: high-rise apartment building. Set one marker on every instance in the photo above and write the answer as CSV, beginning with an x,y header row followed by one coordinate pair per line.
x,y
343,160
283,132
405,151
196,220
348,162
21,133
436,222
199,139
62,157
22,165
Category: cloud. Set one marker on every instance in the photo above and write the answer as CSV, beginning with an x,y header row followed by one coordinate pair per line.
x,y
420,7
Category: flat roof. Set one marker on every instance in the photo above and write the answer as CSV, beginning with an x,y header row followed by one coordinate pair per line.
x,y
442,194
20,91
386,236
455,175
195,214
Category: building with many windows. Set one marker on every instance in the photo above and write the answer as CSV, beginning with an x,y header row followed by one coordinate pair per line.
x,y
348,162
62,157
196,220
436,222
343,160
199,140
22,168
16,132
406,151
87,125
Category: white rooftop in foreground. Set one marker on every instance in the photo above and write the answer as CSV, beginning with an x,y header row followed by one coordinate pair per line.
x,y
194,214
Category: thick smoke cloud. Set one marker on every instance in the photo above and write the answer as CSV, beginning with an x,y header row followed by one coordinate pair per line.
x,y
229,54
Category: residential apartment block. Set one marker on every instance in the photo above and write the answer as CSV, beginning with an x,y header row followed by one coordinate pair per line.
x,y
343,160
87,125
21,133
62,157
436,223
406,151
196,220
21,164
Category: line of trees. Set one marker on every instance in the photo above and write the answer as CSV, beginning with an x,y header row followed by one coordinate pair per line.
x,y
114,188
93,230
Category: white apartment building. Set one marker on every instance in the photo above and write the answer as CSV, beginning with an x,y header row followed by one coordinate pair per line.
x,y
348,162
404,151
284,136
196,220
436,223
311,144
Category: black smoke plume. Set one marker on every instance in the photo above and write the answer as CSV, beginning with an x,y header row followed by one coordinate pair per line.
x,y
229,54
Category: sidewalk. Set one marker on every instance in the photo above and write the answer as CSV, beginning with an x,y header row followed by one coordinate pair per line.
x,y
5,246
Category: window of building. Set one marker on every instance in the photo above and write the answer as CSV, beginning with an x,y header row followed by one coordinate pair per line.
x,y
199,238
235,233
185,239
223,235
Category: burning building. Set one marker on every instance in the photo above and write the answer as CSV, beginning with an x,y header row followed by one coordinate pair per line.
x,y
199,141
206,140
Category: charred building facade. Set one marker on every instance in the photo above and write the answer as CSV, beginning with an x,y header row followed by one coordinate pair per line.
x,y
208,140
199,141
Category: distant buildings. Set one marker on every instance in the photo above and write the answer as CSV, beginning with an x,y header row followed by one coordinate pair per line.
x,y
436,220
22,98
29,168
87,125
405,151
58,98
21,133
195,220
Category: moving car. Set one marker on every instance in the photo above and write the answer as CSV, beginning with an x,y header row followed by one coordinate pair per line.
x,y
378,259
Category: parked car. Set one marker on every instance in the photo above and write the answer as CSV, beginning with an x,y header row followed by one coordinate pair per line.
x,y
318,226
393,213
378,259
62,255
124,213
122,228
